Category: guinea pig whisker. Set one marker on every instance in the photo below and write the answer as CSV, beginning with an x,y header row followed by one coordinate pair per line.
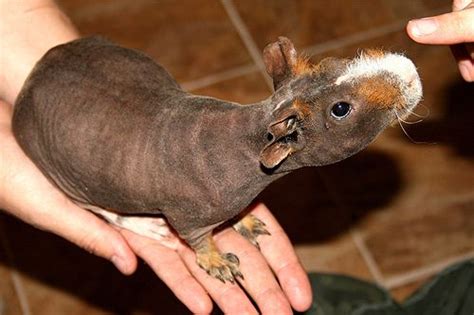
x,y
425,108
416,114
410,122
406,121
422,116
400,120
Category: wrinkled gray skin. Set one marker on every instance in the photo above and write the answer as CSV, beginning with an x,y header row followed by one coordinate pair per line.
x,y
113,130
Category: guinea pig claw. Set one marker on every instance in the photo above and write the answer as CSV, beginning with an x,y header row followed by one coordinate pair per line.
x,y
251,227
224,267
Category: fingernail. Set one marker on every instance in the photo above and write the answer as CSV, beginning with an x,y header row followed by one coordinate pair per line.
x,y
460,4
120,264
424,27
466,74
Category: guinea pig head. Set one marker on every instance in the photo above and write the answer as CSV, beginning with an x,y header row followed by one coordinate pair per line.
x,y
323,113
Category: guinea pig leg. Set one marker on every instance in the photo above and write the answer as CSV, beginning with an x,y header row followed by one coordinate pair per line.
x,y
251,227
152,227
223,266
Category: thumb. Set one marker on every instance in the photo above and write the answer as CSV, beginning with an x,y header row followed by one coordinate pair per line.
x,y
91,233
446,29
63,218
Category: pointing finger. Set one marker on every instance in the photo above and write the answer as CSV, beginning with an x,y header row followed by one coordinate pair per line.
x,y
282,258
446,29
169,267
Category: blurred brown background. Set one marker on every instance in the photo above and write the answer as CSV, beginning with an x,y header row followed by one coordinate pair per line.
x,y
395,214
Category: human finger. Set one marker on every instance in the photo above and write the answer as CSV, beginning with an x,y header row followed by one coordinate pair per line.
x,y
259,281
170,268
464,55
445,29
77,225
459,5
281,257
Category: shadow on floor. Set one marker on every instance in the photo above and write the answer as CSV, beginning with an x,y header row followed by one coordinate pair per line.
x,y
456,127
316,204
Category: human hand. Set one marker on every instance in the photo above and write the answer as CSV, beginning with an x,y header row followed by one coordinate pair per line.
x,y
27,194
455,29
27,30
176,266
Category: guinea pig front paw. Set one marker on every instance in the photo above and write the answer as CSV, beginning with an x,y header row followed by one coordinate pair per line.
x,y
251,227
223,266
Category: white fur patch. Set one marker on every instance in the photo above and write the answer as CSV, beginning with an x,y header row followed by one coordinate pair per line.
x,y
152,227
366,66
398,65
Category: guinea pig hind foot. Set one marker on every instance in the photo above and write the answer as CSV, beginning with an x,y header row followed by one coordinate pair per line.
x,y
251,227
155,228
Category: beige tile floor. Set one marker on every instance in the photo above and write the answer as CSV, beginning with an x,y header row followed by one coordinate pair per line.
x,y
396,214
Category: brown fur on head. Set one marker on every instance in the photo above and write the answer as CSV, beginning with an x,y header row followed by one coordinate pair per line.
x,y
378,93
373,52
303,66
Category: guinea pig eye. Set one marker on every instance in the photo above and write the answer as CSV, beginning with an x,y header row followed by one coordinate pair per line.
x,y
340,110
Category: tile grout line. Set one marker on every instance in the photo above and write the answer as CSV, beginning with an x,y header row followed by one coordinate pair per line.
x,y
363,36
341,42
219,77
367,256
423,272
246,37
17,283
355,235
309,50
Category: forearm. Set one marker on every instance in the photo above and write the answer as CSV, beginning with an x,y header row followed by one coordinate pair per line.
x,y
28,28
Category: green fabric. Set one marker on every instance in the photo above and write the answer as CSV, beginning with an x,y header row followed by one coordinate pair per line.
x,y
449,293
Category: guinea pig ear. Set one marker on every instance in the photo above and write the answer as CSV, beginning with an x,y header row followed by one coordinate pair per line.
x,y
280,59
285,139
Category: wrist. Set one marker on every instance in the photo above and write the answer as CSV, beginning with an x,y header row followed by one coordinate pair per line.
x,y
27,32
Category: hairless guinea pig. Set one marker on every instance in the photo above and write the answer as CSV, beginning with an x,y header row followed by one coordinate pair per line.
x,y
115,132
